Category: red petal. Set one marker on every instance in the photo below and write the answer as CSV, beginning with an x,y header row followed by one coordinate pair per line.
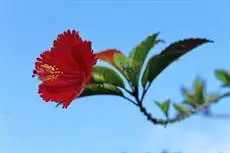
x,y
63,46
52,67
84,57
64,93
66,40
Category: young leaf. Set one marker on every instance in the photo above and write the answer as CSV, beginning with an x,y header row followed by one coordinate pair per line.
x,y
223,76
101,89
189,97
171,53
106,75
139,53
116,58
107,55
181,109
186,93
164,107
196,97
199,90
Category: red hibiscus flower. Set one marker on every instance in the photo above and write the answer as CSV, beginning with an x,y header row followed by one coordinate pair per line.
x,y
66,69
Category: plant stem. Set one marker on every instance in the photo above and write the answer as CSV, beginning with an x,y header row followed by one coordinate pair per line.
x,y
129,92
145,91
130,100
178,117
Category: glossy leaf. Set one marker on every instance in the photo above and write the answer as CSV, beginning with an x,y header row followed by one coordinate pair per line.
x,y
106,75
138,55
95,89
121,62
164,107
171,53
101,89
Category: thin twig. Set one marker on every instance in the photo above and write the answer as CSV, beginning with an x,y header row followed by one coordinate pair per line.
x,y
129,92
145,91
130,100
131,86
181,116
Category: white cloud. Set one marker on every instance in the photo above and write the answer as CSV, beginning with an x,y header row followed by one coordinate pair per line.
x,y
192,138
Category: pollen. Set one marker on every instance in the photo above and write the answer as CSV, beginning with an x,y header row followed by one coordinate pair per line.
x,y
48,72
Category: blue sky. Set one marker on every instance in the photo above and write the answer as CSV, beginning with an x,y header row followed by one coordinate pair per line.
x,y
108,124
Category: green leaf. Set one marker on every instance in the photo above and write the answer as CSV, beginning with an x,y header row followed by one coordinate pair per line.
x,y
223,76
106,75
196,97
101,89
189,97
108,55
181,109
139,54
171,53
164,107
113,57
186,93
121,62
95,89
199,90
